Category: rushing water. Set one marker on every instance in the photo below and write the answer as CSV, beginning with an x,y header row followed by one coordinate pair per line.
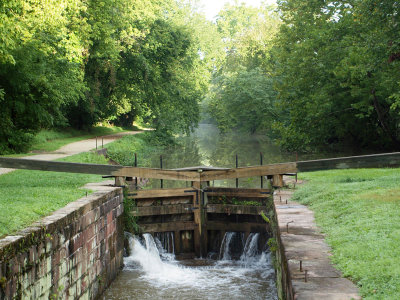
x,y
148,274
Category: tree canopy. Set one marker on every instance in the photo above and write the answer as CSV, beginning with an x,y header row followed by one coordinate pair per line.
x,y
76,63
308,74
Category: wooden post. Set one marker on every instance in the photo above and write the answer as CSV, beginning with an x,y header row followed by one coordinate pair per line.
x,y
261,163
237,165
197,219
119,181
177,241
200,219
277,180
136,179
161,166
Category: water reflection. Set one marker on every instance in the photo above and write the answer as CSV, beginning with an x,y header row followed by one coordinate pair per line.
x,y
208,147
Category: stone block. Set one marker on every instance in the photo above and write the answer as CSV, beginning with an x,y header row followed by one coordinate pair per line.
x,y
88,219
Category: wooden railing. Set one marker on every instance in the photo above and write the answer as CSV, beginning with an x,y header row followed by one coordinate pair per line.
x,y
203,174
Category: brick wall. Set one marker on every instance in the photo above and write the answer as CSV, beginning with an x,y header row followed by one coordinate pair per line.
x,y
74,253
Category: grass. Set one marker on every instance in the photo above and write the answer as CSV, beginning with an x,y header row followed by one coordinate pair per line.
x,y
27,196
359,210
144,144
51,140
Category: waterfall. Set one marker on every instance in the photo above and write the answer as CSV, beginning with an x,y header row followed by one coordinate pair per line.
x,y
161,278
232,244
146,255
224,250
165,244
251,247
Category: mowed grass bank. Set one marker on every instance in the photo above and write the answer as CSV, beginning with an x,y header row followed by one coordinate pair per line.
x,y
27,196
359,211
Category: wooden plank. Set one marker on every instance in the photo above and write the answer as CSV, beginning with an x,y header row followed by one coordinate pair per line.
x,y
274,169
235,209
238,227
385,160
157,174
233,192
159,193
162,210
366,161
164,227
200,168
57,166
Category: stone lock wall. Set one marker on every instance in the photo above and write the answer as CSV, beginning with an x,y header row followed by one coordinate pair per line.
x,y
74,253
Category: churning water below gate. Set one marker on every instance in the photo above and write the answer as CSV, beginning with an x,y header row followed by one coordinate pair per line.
x,y
151,272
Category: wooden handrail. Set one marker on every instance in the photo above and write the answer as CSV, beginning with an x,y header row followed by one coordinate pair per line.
x,y
197,175
118,171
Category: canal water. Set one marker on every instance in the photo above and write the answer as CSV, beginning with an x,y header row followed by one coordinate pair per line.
x,y
206,146
152,273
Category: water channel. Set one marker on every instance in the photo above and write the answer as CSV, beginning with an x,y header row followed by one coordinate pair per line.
x,y
151,270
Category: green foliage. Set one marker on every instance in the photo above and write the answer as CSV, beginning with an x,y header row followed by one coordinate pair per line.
x,y
337,73
242,95
358,212
123,150
76,63
244,100
130,221
41,72
265,218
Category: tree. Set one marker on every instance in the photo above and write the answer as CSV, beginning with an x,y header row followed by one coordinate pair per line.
x,y
40,68
243,95
336,81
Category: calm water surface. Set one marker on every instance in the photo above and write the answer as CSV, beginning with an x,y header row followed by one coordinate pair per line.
x,y
208,147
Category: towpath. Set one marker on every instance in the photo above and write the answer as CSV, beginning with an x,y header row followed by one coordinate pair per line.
x,y
309,273
75,148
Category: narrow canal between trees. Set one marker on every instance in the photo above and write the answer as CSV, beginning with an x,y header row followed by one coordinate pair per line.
x,y
242,269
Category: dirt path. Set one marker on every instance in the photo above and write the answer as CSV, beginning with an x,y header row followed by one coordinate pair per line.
x,y
75,148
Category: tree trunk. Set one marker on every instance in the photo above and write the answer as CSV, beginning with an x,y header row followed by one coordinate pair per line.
x,y
381,119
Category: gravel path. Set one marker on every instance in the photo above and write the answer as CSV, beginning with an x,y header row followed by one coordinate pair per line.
x,y
75,148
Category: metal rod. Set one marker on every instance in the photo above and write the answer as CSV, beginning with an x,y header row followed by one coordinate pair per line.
x,y
287,226
237,164
297,159
161,166
136,179
261,163
102,143
301,266
96,142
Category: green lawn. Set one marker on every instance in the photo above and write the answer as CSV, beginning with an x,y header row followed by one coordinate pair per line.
x,y
26,196
359,210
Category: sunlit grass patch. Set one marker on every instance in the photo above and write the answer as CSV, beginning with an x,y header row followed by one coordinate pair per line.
x,y
26,196
360,214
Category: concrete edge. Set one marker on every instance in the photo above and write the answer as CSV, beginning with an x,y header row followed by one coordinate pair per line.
x,y
307,271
